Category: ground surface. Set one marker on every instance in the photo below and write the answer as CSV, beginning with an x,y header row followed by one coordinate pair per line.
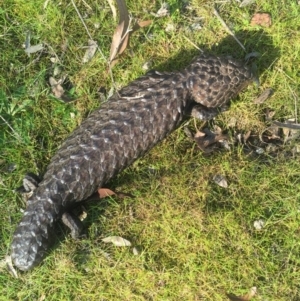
x,y
195,239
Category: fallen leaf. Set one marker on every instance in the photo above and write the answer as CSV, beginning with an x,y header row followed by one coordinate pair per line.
x,y
195,27
200,134
264,96
220,180
141,24
122,32
120,38
261,19
188,132
170,27
90,52
45,4
259,224
146,66
269,114
163,11
259,150
296,149
117,241
42,298
105,192
207,138
246,297
135,251
11,167
246,136
56,88
232,122
246,2
122,35
34,48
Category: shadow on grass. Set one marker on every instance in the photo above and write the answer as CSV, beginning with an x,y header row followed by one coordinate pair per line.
x,y
253,41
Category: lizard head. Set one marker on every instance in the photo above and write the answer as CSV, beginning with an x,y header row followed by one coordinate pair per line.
x,y
214,81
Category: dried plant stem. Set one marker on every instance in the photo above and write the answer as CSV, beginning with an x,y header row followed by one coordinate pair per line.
x,y
295,104
90,36
113,9
15,133
292,126
193,44
228,29
86,5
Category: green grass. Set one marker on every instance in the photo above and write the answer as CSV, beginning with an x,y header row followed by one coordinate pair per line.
x,y
196,240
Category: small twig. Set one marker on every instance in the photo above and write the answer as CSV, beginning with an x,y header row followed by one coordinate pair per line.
x,y
113,9
290,78
193,44
16,134
292,126
228,29
82,21
295,104
86,5
46,4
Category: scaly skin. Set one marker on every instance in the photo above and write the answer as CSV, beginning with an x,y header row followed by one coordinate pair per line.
x,y
116,134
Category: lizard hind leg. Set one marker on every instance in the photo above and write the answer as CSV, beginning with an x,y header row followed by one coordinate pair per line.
x,y
73,223
30,183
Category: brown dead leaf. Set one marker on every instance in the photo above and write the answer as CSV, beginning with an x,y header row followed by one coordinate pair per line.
x,y
120,38
117,241
122,33
141,24
270,114
35,48
56,88
246,136
105,192
261,19
188,132
42,298
163,11
207,138
246,2
220,180
90,51
264,96
246,297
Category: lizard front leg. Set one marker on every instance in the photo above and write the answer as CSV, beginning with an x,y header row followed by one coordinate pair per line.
x,y
203,113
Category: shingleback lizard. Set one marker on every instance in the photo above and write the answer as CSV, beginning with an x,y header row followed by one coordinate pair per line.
x,y
121,130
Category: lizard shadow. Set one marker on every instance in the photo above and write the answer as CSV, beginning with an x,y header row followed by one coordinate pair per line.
x,y
256,41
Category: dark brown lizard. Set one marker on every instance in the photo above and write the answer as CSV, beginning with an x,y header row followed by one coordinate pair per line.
x,y
129,124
